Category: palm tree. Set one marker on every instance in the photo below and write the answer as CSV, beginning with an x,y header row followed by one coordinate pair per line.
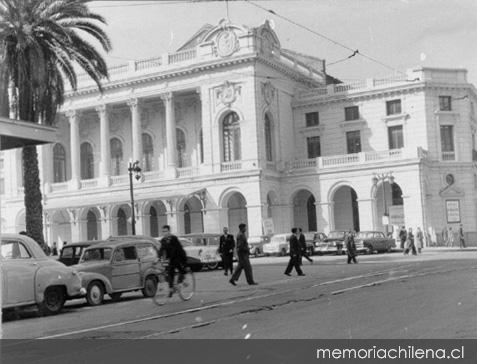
x,y
41,41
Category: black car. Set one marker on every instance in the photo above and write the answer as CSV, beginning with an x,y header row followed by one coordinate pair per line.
x,y
71,253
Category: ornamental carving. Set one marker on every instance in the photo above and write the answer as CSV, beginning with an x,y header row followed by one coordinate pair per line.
x,y
268,92
226,43
228,93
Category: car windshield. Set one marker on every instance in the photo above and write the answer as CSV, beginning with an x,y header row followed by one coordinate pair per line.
x,y
186,242
365,235
336,235
67,252
204,241
278,239
96,254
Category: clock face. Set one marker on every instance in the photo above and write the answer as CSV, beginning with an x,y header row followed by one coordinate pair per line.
x,y
227,43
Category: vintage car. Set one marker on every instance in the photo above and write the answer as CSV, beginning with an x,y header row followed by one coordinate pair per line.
x,y
373,241
279,245
309,240
71,253
32,278
117,266
255,244
333,243
204,247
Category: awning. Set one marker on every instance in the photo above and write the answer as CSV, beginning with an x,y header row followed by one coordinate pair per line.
x,y
17,134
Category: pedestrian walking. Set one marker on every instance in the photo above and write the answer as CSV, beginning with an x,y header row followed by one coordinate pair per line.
x,y
226,251
295,255
54,251
403,236
303,248
419,240
351,247
410,243
451,237
243,253
445,236
461,237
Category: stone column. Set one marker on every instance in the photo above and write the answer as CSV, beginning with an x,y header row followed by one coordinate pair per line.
x,y
170,134
254,217
136,130
105,220
324,216
206,127
366,214
73,117
104,165
75,225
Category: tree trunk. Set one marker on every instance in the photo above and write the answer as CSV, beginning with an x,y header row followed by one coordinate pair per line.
x,y
4,82
33,197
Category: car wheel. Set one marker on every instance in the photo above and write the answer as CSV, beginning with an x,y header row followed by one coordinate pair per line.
x,y
95,293
212,266
115,297
150,287
53,301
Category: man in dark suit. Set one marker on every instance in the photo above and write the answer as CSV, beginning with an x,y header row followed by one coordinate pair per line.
x,y
295,255
243,253
303,247
226,251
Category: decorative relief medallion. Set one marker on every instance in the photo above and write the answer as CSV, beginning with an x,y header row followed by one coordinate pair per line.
x,y
228,93
268,92
227,43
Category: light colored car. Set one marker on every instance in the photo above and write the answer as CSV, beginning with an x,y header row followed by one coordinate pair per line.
x,y
114,267
255,244
279,245
32,278
204,247
333,243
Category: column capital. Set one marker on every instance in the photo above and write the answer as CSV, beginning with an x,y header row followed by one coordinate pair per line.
x,y
100,109
72,114
133,103
166,96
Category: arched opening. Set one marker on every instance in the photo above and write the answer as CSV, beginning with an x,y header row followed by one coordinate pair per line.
x,y
236,212
389,202
193,216
92,226
153,222
147,152
122,222
304,211
345,209
60,228
59,163
182,160
201,146
231,137
116,156
268,139
87,161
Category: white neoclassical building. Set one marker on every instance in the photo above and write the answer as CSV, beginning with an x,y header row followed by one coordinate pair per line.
x,y
233,128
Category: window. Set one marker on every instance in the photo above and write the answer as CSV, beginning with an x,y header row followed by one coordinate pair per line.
x,y
393,107
2,186
14,250
312,119
231,137
353,141
351,113
87,161
116,156
59,163
447,142
268,139
147,152
445,103
314,147
181,148
201,146
395,137
127,253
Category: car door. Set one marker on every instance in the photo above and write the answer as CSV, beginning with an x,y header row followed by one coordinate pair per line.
x,y
125,269
18,271
147,256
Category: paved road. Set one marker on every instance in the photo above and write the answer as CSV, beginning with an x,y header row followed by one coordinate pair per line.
x,y
384,296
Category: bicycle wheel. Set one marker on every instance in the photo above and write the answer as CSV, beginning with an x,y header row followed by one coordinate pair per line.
x,y
187,287
162,292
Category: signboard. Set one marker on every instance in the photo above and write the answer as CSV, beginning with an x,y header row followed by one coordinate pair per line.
x,y
268,227
453,211
396,215
385,220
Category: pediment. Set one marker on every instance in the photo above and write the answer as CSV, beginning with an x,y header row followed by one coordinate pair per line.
x,y
451,191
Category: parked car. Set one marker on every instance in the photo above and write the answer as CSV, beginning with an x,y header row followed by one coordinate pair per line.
x,y
279,245
203,247
371,241
32,278
309,240
71,253
116,266
333,243
256,243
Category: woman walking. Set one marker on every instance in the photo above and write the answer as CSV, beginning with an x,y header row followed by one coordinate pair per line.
x,y
419,240
410,243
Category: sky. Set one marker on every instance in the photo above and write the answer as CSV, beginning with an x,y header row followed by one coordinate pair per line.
x,y
398,34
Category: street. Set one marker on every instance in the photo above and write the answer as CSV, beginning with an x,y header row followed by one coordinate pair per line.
x,y
383,296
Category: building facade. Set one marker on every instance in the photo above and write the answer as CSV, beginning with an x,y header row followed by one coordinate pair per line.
x,y
232,128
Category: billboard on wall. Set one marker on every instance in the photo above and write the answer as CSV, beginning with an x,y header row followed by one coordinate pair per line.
x,y
453,211
268,227
396,215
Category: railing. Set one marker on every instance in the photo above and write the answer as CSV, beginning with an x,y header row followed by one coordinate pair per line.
x,y
230,166
187,172
153,175
343,87
386,154
88,183
182,56
59,187
115,70
119,180
448,156
301,163
340,160
148,63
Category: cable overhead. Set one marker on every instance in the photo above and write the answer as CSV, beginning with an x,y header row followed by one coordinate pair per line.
x,y
324,37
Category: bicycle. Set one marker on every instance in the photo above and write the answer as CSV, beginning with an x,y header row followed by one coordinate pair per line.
x,y
185,289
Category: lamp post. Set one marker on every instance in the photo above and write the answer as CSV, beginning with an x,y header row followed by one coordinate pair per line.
x,y
133,168
384,177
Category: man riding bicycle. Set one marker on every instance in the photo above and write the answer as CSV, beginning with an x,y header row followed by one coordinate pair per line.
x,y
172,249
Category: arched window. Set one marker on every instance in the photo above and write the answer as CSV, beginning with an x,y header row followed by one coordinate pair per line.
x,y
122,222
181,148
92,226
201,146
269,206
231,137
187,220
59,163
153,222
268,139
87,161
147,152
116,156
